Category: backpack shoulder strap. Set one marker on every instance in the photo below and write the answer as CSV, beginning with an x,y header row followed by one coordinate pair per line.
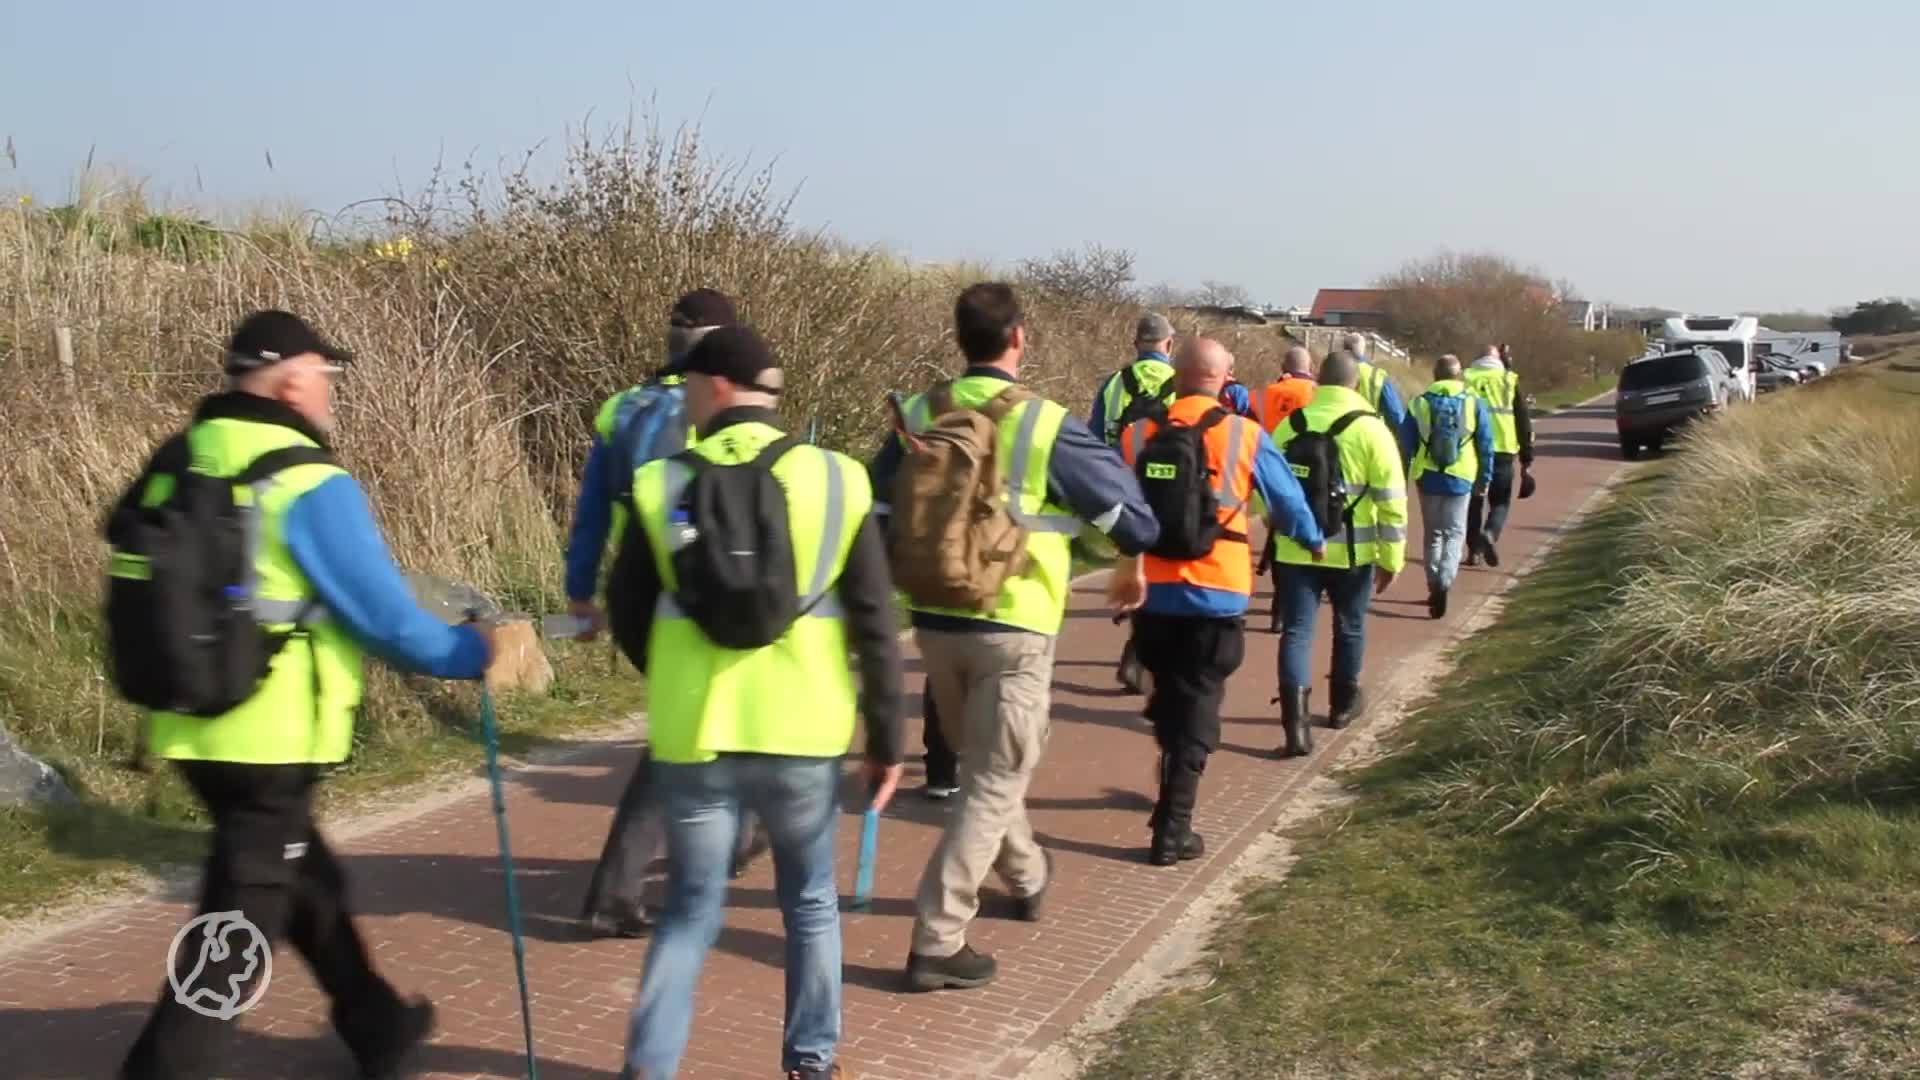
x,y
1297,419
999,405
940,399
775,450
1340,425
1129,380
1208,419
286,457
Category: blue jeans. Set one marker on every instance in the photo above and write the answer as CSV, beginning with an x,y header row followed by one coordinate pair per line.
x,y
1444,520
1300,590
797,798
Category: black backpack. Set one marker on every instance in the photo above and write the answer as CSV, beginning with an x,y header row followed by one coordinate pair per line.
x,y
182,634
1314,457
1173,473
1141,405
732,550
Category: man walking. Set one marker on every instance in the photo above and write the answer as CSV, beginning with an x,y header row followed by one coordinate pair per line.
x,y
325,580
726,734
1449,438
1191,588
1292,390
1374,385
1361,559
1493,382
991,669
1144,379
1143,387
633,427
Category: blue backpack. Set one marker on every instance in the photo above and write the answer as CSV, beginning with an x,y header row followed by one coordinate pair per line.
x,y
650,422
1446,427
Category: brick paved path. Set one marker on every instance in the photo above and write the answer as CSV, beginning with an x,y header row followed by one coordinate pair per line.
x,y
430,890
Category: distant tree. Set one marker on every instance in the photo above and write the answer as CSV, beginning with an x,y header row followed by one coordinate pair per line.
x,y
1222,294
1796,320
1461,303
1884,316
1093,274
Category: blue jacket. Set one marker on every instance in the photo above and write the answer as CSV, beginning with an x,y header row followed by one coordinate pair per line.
x,y
1235,397
1286,508
332,536
1084,475
1435,482
1392,409
593,514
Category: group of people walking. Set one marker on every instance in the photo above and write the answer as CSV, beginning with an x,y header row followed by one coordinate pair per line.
x,y
749,565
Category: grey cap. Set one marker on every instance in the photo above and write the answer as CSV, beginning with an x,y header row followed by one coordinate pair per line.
x,y
1152,326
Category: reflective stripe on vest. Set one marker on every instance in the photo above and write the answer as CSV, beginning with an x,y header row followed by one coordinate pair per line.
x,y
303,711
1037,599
796,696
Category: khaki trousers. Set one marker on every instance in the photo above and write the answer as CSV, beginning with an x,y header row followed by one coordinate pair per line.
x,y
992,692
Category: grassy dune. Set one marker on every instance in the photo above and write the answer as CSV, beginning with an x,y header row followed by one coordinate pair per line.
x,y
492,315
1660,821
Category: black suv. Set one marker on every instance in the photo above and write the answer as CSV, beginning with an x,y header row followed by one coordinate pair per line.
x,y
1658,394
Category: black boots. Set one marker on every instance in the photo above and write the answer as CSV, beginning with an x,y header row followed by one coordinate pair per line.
x,y
1437,603
1294,719
1172,822
1347,703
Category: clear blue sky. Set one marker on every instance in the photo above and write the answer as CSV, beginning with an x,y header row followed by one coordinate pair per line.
x,y
1704,155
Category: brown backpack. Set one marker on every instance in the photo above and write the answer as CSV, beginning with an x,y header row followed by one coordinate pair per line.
x,y
954,543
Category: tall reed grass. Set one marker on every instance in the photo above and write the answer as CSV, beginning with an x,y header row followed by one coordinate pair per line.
x,y
491,316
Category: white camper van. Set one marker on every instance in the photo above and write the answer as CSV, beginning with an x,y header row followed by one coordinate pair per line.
x,y
1731,335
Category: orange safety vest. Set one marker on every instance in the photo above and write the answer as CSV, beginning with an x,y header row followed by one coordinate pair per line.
x,y
1231,447
1282,397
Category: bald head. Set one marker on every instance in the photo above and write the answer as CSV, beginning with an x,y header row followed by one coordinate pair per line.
x,y
1202,367
1447,367
1298,361
1340,369
1355,344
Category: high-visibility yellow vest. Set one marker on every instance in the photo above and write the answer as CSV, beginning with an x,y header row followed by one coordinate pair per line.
x,y
1370,461
1150,372
1372,385
1467,465
303,711
1037,599
1498,387
795,696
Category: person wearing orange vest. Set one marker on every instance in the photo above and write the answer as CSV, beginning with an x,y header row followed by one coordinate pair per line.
x,y
1189,610
1292,390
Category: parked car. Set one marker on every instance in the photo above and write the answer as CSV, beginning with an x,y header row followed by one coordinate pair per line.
x,y
1776,372
1659,394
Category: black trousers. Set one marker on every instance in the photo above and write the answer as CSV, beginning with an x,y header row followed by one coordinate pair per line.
x,y
1191,659
943,762
272,865
636,837
1487,515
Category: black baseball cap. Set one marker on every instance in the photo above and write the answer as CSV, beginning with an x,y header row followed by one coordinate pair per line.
x,y
703,307
265,338
734,353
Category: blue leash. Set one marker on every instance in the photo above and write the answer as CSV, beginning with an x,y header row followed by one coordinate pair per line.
x,y
490,729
